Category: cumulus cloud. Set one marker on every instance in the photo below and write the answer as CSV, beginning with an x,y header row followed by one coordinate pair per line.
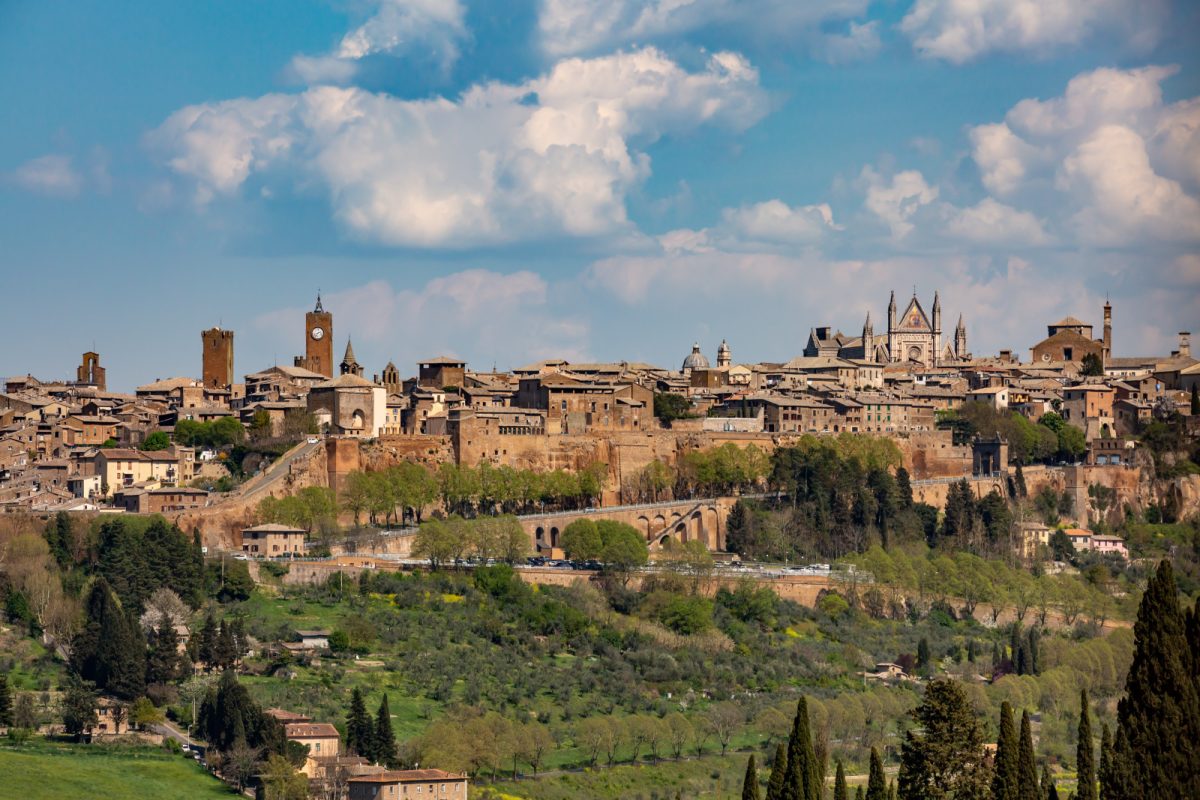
x,y
481,314
52,174
1108,153
963,30
569,27
993,223
554,155
896,201
427,28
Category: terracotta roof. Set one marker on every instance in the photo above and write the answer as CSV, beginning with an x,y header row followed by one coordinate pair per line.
x,y
409,776
310,730
273,527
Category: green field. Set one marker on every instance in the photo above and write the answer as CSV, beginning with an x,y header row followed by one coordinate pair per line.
x,y
53,771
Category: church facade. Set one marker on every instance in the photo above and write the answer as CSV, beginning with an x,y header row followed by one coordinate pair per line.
x,y
914,337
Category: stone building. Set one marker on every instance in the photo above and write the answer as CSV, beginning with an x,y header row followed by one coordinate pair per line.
x,y
318,341
411,784
438,373
349,406
1070,340
270,540
90,373
217,358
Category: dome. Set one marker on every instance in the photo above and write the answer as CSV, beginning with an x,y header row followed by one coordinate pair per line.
x,y
696,360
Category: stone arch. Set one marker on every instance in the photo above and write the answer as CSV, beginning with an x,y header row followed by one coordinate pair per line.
x,y
644,523
713,528
554,537
696,527
660,522
681,532
539,536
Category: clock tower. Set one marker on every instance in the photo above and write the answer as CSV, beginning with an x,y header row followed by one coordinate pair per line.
x,y
318,341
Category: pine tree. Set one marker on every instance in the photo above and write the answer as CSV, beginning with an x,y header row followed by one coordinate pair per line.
x,y
1157,749
1027,776
1046,790
946,760
1085,765
750,782
1005,775
801,781
385,738
359,731
876,782
6,706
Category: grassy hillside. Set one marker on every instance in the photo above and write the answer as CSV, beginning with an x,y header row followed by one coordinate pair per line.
x,y
54,771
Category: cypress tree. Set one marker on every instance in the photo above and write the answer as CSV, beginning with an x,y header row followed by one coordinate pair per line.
x,y
162,662
1006,775
996,657
922,653
858,793
891,790
110,651
206,652
1033,643
385,737
750,782
840,790
359,731
1027,776
1157,750
801,781
6,709
876,781
1048,792
904,488
1084,762
224,648
1195,409
778,770
1105,759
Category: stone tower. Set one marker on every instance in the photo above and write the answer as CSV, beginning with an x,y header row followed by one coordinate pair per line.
x,y
868,340
724,356
318,341
350,365
217,358
960,339
891,342
90,373
391,379
1107,330
937,328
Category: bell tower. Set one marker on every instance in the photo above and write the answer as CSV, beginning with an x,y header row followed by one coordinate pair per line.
x,y
318,341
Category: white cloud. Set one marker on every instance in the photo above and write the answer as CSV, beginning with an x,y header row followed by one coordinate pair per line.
x,y
859,42
1108,154
962,30
481,314
569,27
430,29
50,174
896,202
1128,200
556,154
993,223
775,221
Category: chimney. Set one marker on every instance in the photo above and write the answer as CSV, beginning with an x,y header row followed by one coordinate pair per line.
x,y
1185,344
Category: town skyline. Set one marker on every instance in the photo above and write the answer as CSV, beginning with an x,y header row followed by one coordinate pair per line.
x,y
777,169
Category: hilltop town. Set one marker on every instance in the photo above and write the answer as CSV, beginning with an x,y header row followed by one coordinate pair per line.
x,y
73,445
299,521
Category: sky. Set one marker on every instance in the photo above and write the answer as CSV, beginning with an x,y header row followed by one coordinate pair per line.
x,y
587,179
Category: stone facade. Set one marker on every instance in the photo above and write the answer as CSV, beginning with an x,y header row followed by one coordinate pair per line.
x,y
217,358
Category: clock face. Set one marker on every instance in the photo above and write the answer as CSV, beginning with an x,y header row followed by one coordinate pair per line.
x,y
318,333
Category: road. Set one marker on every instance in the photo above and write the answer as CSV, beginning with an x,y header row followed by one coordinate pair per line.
x,y
274,471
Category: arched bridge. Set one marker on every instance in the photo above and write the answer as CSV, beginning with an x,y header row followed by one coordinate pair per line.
x,y
682,520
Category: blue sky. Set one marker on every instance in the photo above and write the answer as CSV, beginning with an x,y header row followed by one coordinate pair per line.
x,y
591,179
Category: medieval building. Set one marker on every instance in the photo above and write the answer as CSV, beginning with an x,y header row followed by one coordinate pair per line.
x,y
914,337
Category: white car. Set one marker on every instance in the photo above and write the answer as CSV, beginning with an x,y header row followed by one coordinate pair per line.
x,y
313,440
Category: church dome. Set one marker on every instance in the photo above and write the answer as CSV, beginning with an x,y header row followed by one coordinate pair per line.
x,y
696,360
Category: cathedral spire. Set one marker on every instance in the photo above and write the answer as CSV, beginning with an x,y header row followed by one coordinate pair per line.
x,y
319,307
350,365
